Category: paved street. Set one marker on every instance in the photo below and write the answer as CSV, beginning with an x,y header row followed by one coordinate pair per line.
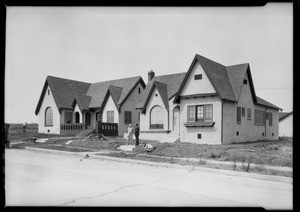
x,y
46,179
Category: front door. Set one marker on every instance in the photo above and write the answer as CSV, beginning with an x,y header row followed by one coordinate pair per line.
x,y
176,120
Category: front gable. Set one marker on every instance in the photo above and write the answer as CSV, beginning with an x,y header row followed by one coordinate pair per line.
x,y
197,82
109,105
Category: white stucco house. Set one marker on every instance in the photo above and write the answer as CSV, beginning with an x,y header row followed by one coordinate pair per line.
x,y
286,124
67,106
210,104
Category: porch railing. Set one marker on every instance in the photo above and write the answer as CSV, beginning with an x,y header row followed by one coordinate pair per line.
x,y
73,127
108,129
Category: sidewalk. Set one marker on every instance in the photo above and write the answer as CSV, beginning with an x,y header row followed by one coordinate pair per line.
x,y
190,168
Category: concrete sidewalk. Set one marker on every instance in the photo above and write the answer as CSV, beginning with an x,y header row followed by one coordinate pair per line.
x,y
94,155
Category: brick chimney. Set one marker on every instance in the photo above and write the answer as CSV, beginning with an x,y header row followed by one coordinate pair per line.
x,y
150,75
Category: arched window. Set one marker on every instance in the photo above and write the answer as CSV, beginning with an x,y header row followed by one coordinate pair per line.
x,y
48,117
156,118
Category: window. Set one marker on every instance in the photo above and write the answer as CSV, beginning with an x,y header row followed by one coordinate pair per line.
x,y
259,118
238,115
48,117
197,76
127,117
243,111
139,116
199,113
98,116
270,119
48,91
110,116
249,113
68,117
245,82
139,90
156,118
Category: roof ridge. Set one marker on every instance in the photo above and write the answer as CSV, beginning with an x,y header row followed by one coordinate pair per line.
x,y
237,65
169,74
116,79
198,55
67,79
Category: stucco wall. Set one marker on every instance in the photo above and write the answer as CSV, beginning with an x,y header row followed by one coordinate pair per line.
x,y
48,101
200,86
155,99
247,130
286,126
110,106
209,135
130,105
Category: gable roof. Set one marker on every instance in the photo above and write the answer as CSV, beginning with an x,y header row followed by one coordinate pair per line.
x,y
115,93
97,91
263,102
87,95
284,115
167,86
226,80
64,92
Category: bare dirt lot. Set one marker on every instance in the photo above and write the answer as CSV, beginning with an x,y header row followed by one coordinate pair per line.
x,y
275,153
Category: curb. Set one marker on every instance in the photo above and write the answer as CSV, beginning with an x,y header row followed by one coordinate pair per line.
x,y
167,165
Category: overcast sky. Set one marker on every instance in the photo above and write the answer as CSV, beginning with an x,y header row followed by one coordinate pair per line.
x,y
93,44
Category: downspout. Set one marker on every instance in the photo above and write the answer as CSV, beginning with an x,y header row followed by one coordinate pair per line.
x,y
223,102
168,121
266,122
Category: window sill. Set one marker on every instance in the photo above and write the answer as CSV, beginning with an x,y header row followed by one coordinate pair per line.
x,y
199,124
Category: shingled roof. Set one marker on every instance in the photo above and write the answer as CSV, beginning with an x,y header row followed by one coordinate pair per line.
x,y
87,95
167,86
98,90
226,80
283,115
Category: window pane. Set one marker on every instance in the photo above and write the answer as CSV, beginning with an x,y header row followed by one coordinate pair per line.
x,y
49,117
191,113
238,115
249,113
208,112
200,113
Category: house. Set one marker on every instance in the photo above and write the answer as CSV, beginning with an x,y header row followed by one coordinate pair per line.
x,y
210,104
286,124
67,106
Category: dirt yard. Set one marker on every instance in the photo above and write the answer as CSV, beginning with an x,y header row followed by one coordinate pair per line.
x,y
277,153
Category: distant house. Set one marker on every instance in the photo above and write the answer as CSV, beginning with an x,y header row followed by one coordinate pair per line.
x,y
210,103
286,124
67,106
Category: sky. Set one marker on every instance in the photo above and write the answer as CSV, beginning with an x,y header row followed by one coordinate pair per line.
x,y
94,44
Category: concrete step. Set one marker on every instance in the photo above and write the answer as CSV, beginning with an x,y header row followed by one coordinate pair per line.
x,y
126,147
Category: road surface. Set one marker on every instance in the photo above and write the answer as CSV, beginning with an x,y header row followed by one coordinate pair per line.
x,y
48,179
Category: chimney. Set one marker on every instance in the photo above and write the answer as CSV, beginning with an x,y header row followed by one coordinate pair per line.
x,y
150,75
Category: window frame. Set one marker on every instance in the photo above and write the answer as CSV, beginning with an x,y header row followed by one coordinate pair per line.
x,y
198,77
249,113
199,117
158,125
259,117
110,118
270,118
45,118
238,115
127,114
66,116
